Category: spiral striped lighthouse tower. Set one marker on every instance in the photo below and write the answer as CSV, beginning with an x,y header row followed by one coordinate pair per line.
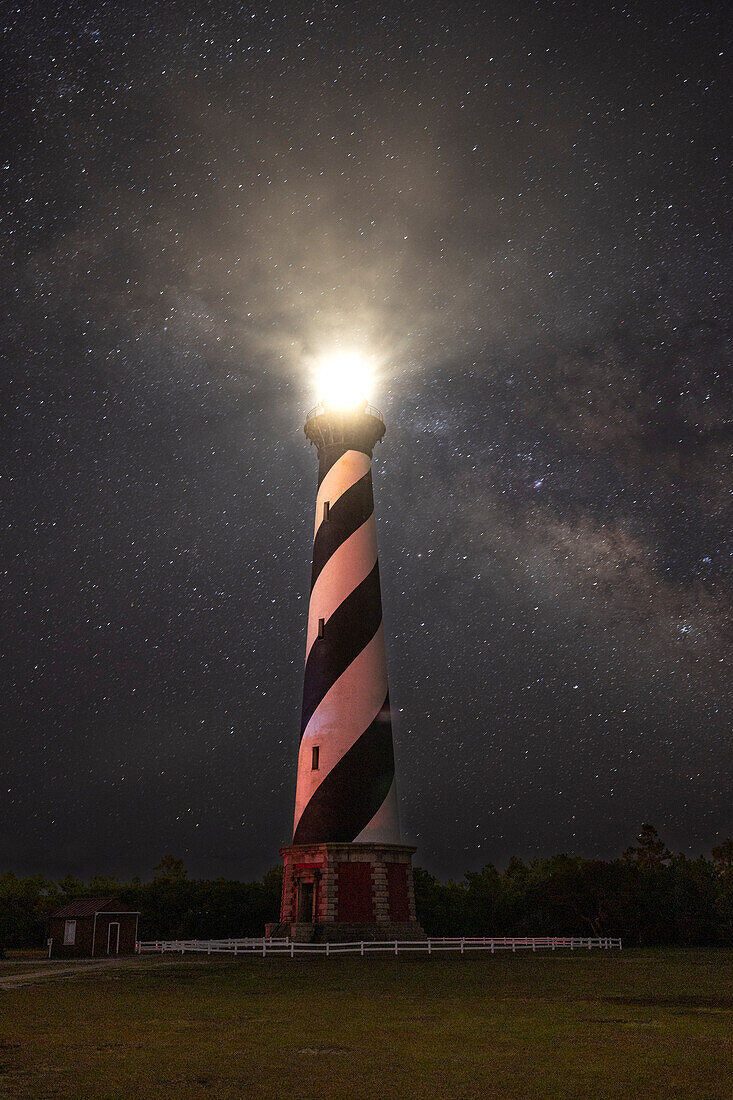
x,y
347,873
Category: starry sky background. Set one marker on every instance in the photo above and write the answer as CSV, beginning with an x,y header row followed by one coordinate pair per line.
x,y
519,214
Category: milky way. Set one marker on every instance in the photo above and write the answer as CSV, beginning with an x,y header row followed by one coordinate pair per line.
x,y
517,213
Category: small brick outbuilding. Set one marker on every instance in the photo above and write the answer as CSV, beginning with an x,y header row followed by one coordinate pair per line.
x,y
91,927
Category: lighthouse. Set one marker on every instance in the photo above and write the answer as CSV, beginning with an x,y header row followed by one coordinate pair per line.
x,y
347,874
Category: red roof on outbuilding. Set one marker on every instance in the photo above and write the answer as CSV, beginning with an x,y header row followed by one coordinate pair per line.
x,y
87,907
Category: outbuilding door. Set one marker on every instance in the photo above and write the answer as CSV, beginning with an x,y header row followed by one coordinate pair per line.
x,y
113,938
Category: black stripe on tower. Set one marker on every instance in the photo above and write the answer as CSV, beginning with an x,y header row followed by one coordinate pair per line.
x,y
352,509
357,434
354,789
349,630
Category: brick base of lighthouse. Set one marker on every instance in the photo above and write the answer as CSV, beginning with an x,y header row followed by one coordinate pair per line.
x,y
340,892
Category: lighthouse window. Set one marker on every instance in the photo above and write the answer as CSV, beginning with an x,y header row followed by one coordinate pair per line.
x,y
326,509
314,761
321,627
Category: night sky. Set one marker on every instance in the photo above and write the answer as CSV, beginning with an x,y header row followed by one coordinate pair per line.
x,y
517,212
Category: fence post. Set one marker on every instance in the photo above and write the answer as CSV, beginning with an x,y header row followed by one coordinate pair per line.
x,y
463,940
362,947
292,948
326,946
264,948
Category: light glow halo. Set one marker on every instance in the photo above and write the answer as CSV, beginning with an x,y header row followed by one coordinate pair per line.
x,y
344,379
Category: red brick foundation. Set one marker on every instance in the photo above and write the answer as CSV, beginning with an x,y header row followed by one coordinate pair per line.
x,y
335,892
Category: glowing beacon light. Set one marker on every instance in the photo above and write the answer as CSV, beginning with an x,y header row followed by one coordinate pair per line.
x,y
344,380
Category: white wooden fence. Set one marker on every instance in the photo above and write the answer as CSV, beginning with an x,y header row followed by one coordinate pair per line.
x,y
368,947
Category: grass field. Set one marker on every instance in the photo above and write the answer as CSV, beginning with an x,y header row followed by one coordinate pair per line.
x,y
636,1025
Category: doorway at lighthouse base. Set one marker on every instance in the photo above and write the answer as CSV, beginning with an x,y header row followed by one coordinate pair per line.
x,y
340,892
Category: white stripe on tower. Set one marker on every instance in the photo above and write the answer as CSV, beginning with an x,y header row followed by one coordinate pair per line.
x,y
344,571
347,710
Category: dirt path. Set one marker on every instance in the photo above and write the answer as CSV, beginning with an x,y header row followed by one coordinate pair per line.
x,y
34,970
51,970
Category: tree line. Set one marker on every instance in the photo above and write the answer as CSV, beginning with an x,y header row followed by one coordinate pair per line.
x,y
647,896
